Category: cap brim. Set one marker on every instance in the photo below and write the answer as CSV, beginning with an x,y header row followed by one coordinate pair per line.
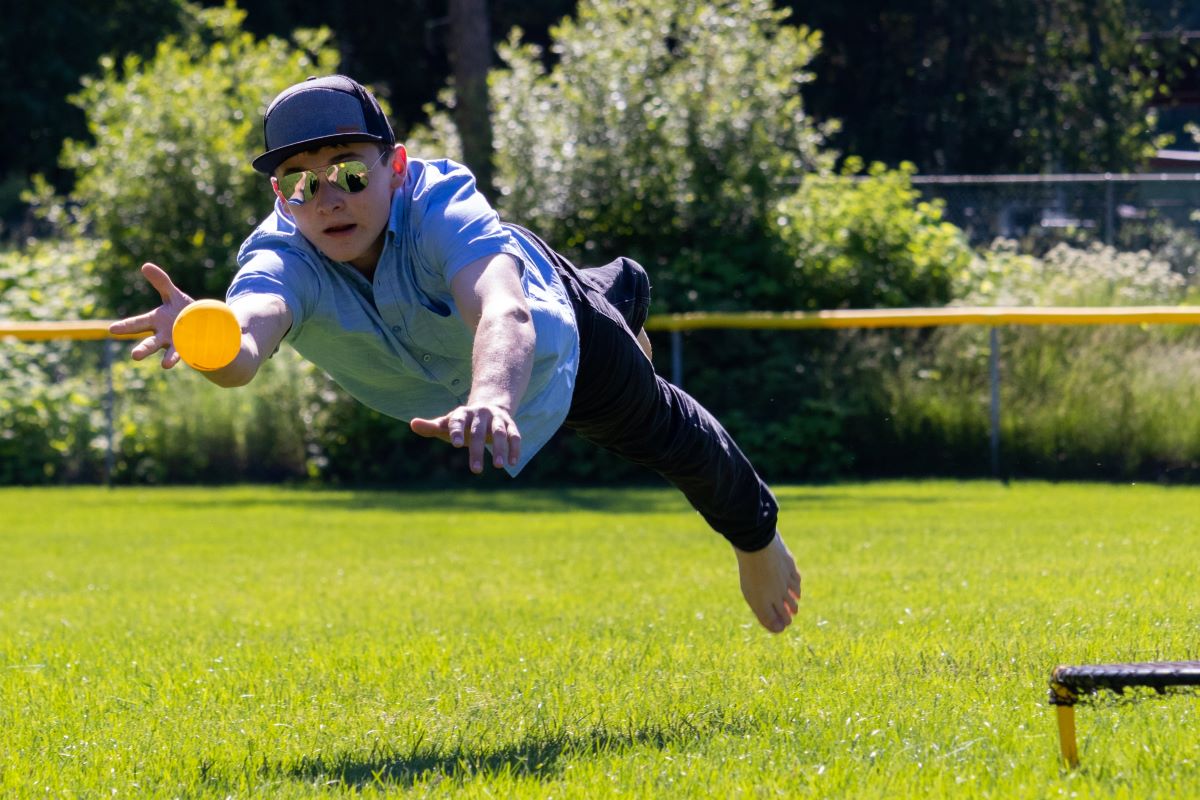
x,y
268,161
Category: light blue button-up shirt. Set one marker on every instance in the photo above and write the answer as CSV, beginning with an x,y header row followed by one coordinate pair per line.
x,y
398,344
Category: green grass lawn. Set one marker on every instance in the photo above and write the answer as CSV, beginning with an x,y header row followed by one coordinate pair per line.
x,y
261,642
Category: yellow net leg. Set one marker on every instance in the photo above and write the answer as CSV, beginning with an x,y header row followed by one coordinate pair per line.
x,y
1066,735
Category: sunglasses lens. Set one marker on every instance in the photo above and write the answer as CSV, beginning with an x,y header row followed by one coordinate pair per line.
x,y
312,182
299,187
350,176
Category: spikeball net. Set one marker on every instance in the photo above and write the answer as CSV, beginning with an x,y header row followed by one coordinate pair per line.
x,y
1072,685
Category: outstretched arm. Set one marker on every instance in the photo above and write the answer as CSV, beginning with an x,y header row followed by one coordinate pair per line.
x,y
264,320
490,299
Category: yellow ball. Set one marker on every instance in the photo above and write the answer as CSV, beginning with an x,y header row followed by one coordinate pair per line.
x,y
207,335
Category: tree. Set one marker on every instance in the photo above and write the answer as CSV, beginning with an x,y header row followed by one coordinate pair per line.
x,y
44,49
404,47
991,86
167,177
471,55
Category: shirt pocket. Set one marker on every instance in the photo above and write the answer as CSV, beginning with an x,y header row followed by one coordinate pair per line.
x,y
442,334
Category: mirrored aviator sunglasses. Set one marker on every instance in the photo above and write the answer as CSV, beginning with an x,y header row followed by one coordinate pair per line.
x,y
349,176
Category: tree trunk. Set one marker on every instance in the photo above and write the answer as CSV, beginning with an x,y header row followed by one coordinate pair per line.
x,y
471,56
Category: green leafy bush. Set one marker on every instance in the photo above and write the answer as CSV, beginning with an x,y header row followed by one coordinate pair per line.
x,y
177,427
165,178
49,414
814,405
55,402
666,132
868,241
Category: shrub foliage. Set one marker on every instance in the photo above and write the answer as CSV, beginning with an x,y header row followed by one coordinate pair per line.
x,y
665,131
165,176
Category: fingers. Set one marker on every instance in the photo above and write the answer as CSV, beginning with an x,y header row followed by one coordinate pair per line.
x,y
151,345
456,426
475,427
496,428
159,338
151,320
158,323
431,428
147,347
161,282
142,323
476,431
478,427
506,444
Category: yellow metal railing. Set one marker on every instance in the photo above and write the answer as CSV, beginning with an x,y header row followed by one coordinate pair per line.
x,y
676,324
927,317
45,331
780,320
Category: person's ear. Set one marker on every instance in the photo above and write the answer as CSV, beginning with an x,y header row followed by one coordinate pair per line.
x,y
283,203
399,165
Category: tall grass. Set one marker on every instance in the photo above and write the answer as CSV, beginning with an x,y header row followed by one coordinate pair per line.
x,y
179,427
271,643
1114,402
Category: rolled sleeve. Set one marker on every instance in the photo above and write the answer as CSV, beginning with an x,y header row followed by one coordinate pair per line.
x,y
270,272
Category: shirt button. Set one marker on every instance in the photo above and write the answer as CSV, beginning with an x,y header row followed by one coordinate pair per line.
x,y
455,382
395,329
427,358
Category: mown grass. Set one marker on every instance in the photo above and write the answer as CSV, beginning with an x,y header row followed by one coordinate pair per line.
x,y
260,642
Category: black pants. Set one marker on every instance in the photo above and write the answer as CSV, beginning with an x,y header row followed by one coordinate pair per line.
x,y
621,405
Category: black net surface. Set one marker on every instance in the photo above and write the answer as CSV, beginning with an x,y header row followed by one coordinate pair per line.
x,y
1089,679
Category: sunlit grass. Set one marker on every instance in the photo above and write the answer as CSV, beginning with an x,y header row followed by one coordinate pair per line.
x,y
284,643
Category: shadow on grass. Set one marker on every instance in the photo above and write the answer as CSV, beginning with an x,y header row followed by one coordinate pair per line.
x,y
557,500
514,501
536,757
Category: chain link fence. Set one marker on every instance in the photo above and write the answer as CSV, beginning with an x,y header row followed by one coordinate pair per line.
x,y
1128,211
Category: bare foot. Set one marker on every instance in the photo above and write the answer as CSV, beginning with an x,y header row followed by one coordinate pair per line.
x,y
770,583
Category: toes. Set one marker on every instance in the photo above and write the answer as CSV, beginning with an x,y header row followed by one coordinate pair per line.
x,y
778,619
769,618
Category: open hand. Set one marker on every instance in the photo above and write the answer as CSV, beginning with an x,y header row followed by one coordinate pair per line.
x,y
159,322
473,426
